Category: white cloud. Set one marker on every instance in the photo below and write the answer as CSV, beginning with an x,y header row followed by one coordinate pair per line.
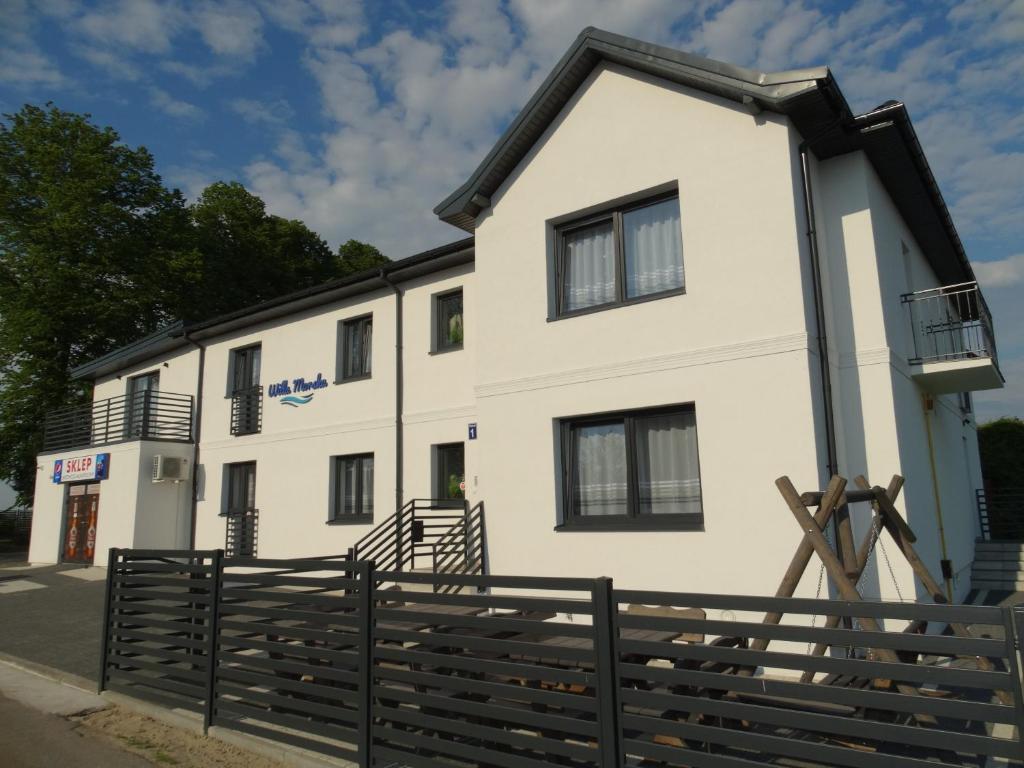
x,y
272,113
145,25
1002,273
163,101
230,28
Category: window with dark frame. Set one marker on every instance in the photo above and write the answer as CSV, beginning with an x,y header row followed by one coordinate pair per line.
x,y
140,420
241,490
356,350
450,481
449,328
245,368
352,478
632,470
626,254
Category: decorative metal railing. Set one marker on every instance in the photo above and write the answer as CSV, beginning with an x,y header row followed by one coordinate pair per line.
x,y
950,323
242,532
247,411
148,415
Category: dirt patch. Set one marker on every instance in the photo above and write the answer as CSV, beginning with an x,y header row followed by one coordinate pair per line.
x,y
165,745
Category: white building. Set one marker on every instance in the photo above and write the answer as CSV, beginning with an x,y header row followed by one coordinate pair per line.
x,y
640,336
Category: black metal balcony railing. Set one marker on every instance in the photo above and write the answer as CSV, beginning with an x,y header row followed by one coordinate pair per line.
x,y
247,411
149,415
950,323
242,532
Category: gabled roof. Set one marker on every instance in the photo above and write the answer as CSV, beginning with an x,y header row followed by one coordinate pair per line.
x,y
810,98
179,334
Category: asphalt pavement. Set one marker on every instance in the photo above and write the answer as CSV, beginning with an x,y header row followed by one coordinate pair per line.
x,y
52,616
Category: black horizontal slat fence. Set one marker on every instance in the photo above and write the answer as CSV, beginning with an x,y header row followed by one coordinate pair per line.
x,y
417,669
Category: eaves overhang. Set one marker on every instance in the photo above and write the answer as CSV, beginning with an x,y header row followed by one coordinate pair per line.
x,y
178,335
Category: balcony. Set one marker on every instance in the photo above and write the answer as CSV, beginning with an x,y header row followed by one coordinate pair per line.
x,y
954,345
148,415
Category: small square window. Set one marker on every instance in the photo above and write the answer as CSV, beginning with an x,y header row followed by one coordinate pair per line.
x,y
356,348
352,492
449,330
626,254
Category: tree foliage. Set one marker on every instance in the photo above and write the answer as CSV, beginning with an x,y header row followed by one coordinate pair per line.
x,y
95,252
1001,445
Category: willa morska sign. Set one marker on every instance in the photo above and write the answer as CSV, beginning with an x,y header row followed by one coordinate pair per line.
x,y
298,391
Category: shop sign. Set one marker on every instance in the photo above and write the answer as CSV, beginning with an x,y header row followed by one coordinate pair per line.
x,y
95,467
297,391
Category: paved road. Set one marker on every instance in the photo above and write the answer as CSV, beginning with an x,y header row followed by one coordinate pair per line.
x,y
50,618
32,739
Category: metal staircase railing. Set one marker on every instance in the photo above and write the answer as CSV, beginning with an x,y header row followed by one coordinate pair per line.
x,y
445,533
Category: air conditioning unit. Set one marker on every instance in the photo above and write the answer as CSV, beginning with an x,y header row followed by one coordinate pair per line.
x,y
169,468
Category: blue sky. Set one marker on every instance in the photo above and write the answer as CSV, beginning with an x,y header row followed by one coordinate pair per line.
x,y
358,117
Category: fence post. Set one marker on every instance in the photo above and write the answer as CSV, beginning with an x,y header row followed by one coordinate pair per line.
x,y
605,616
367,584
1013,628
101,683
213,629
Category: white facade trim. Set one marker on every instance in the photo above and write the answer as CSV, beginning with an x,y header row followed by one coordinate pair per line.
x,y
795,342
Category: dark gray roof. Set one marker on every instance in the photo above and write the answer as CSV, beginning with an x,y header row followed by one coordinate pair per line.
x,y
178,334
809,97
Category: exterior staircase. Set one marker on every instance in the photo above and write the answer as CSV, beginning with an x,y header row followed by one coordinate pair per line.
x,y
428,536
998,565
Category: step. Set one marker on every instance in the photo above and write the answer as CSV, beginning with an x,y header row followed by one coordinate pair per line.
x,y
999,546
1001,585
998,565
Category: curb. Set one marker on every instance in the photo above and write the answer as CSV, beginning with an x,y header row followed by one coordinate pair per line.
x,y
50,673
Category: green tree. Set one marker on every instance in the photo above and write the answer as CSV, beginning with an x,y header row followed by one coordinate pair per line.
x,y
358,257
246,255
91,248
1001,445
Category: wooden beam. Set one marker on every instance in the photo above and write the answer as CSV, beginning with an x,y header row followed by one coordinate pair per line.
x,y
829,499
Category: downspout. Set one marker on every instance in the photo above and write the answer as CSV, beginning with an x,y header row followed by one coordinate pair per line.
x,y
195,443
399,391
832,462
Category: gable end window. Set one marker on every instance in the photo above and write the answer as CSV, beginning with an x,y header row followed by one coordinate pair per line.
x,y
448,328
622,255
355,348
352,489
636,470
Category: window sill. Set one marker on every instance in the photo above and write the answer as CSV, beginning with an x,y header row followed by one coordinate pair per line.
x,y
618,304
347,379
446,350
696,526
352,520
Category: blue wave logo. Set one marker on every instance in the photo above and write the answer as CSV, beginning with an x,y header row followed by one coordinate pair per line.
x,y
296,400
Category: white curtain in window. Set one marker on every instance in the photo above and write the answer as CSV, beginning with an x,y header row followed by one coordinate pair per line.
x,y
601,470
367,486
654,249
667,467
347,489
589,266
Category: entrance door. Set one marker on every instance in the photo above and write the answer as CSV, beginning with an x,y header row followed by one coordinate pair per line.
x,y
80,523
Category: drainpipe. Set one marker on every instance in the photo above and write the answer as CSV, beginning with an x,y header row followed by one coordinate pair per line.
x,y
197,430
832,462
399,390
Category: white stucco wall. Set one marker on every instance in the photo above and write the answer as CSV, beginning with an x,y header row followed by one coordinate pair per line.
x,y
133,511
